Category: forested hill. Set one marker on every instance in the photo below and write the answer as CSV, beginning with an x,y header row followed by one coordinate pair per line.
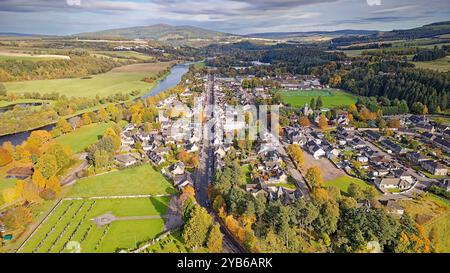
x,y
426,31
159,32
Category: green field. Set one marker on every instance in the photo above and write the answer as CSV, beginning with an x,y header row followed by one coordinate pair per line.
x,y
81,138
124,55
442,65
343,182
134,181
330,97
71,221
102,85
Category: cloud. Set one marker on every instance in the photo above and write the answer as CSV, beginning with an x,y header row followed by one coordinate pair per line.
x,y
373,2
234,16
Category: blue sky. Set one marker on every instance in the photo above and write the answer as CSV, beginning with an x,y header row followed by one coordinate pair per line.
x,y
233,16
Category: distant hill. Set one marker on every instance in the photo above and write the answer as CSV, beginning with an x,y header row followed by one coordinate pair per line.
x,y
296,35
426,31
14,34
160,32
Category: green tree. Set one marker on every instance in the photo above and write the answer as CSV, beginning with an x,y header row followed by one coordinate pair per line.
x,y
215,237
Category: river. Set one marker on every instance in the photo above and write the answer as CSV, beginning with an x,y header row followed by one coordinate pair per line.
x,y
170,81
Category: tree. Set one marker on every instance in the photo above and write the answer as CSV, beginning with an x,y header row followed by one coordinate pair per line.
x,y
86,119
5,157
323,124
355,191
54,185
319,103
64,126
314,177
47,165
103,115
297,154
38,179
18,218
394,123
196,229
304,121
312,104
215,237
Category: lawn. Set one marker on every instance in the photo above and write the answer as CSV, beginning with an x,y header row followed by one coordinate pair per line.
x,y
121,80
71,221
442,65
431,211
343,182
134,181
330,97
81,138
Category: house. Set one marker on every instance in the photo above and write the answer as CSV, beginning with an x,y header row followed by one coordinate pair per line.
x,y
373,135
333,153
20,172
220,152
183,180
443,144
315,149
192,148
155,158
391,147
177,168
416,157
126,160
403,175
162,151
362,159
393,207
392,183
279,177
433,167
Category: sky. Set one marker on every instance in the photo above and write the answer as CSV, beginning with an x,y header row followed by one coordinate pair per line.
x,y
62,17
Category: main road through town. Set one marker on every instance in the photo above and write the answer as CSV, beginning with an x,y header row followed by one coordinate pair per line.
x,y
206,170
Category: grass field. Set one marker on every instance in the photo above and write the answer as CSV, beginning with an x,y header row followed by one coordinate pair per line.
x,y
124,55
139,180
71,221
442,65
121,80
432,211
330,97
343,182
82,137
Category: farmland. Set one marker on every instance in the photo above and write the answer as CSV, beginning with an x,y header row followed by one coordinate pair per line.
x,y
139,180
442,65
121,80
72,221
330,97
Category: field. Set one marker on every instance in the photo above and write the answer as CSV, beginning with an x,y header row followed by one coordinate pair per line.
x,y
134,181
72,221
331,98
442,65
120,80
343,182
82,137
432,211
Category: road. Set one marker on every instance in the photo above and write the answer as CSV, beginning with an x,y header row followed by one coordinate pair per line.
x,y
206,170
72,175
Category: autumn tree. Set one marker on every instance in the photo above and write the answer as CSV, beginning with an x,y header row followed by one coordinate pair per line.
x,y
38,179
18,217
394,123
53,184
314,177
304,121
5,157
47,165
103,115
195,232
215,238
323,124
297,154
86,119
